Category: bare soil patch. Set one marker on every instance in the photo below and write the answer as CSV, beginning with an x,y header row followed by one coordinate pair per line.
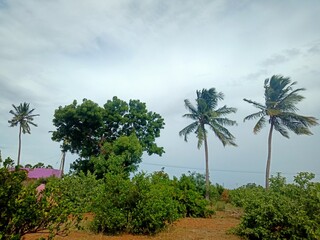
x,y
187,229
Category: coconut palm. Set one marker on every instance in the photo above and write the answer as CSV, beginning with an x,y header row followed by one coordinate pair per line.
x,y
22,116
280,111
205,114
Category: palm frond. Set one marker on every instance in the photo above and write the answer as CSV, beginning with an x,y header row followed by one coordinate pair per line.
x,y
255,115
297,123
225,110
225,121
222,134
280,128
289,101
188,105
256,104
188,129
259,125
191,116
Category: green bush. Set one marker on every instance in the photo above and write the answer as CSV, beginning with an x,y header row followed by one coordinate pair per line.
x,y
145,204
112,206
78,190
192,201
240,196
285,211
23,212
156,206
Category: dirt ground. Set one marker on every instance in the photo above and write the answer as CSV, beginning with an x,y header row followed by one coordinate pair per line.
x,y
186,229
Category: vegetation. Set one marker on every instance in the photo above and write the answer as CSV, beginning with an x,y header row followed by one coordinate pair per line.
x,y
23,210
145,204
85,128
285,211
280,109
22,116
110,141
205,113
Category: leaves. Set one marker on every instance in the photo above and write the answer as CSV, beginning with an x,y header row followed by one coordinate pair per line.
x,y
280,106
84,128
205,113
285,211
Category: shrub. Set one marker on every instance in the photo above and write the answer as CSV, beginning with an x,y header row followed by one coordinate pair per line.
x,y
285,211
113,205
192,201
23,212
156,206
144,205
78,190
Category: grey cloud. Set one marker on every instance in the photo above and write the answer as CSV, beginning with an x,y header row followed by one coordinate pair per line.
x,y
275,60
314,50
285,56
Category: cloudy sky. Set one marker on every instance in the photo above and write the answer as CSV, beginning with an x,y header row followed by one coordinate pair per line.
x,y
161,52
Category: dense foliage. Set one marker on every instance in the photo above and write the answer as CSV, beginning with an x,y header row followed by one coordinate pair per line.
x,y
285,211
122,155
23,210
84,128
145,204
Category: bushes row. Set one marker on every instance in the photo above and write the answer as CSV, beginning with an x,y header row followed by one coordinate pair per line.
x,y
146,203
285,211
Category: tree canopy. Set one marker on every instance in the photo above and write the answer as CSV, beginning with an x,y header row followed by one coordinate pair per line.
x,y
85,128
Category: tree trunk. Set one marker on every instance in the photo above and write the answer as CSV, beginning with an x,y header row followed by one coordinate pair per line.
x,y
269,156
63,159
19,148
207,167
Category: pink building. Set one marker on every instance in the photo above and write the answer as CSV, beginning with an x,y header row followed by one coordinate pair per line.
x,y
36,173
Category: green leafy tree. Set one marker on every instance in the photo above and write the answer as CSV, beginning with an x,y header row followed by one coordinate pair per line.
x,y
205,113
22,116
85,128
122,156
280,112
79,127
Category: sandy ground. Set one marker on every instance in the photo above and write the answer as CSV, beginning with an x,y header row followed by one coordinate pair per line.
x,y
187,229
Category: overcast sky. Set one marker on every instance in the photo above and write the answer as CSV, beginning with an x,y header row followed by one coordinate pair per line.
x,y
161,52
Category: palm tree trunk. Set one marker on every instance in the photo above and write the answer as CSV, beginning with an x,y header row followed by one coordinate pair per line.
x,y
207,167
269,156
19,148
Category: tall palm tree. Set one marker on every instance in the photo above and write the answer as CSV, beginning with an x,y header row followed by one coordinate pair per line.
x,y
22,116
205,114
280,111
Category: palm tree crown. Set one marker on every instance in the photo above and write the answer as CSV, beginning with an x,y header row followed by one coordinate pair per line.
x,y
205,113
280,107
280,111
22,116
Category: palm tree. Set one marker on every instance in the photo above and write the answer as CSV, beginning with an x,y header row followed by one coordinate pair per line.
x,y
22,116
280,111
205,113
